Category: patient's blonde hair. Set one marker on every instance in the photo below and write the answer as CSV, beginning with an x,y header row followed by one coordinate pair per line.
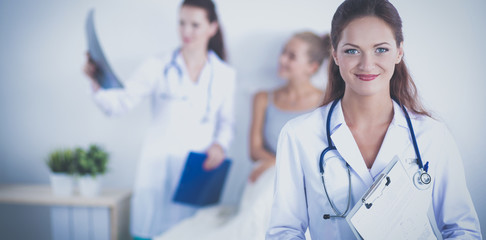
x,y
319,47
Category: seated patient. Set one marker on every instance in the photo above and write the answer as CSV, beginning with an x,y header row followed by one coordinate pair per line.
x,y
301,58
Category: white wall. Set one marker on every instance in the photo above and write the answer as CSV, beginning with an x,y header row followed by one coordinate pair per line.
x,y
44,100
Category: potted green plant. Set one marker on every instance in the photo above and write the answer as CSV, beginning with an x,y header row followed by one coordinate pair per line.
x,y
91,165
62,168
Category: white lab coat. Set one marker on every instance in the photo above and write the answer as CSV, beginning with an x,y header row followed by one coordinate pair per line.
x,y
178,107
300,200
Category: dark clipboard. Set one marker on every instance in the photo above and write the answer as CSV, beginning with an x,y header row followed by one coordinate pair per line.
x,y
198,187
105,76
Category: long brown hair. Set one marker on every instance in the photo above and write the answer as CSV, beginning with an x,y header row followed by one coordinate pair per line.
x,y
216,42
402,87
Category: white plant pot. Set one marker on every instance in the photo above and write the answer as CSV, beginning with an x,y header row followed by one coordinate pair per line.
x,y
62,184
89,186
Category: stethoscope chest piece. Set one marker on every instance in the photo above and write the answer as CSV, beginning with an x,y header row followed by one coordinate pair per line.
x,y
422,180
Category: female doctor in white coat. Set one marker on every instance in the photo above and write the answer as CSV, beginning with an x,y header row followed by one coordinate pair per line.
x,y
368,85
191,91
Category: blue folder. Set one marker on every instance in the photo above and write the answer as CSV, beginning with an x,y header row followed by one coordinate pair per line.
x,y
199,187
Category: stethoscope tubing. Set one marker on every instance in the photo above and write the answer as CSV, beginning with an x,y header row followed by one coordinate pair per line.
x,y
332,147
414,140
173,64
329,140
334,208
422,169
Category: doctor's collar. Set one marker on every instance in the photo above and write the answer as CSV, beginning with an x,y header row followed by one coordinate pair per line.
x,y
337,118
399,118
211,55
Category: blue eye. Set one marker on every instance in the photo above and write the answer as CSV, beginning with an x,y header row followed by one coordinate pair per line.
x,y
351,51
382,50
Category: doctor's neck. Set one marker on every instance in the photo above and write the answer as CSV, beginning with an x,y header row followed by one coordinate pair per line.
x,y
367,110
194,56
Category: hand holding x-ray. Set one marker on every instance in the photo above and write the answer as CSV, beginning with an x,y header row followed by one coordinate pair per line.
x,y
97,66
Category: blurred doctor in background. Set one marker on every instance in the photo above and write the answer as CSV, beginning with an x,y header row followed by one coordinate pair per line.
x,y
301,57
191,92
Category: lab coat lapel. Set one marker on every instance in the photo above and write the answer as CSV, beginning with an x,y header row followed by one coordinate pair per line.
x,y
197,92
396,140
204,75
346,145
185,81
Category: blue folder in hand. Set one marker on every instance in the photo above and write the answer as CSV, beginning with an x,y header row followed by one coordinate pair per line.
x,y
199,187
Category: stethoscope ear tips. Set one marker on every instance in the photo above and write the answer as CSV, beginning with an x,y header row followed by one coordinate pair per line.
x,y
326,216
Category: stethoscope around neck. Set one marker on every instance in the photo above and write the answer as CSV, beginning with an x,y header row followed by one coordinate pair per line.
x,y
421,179
174,65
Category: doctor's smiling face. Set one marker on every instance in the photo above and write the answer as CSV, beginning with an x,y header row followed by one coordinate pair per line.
x,y
195,28
366,55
